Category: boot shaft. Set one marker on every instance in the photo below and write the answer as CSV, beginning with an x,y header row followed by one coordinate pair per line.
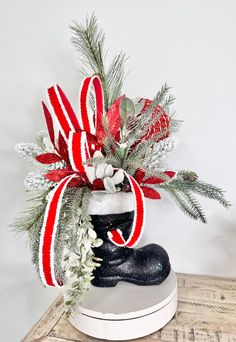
x,y
105,223
109,212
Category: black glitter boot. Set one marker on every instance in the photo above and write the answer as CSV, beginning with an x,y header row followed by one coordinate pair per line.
x,y
148,265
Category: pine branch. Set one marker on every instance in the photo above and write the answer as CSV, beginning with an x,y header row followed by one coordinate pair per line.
x,y
132,164
32,214
109,158
196,207
187,204
144,148
210,191
66,237
89,40
181,202
109,141
184,185
31,222
116,76
154,172
34,241
175,124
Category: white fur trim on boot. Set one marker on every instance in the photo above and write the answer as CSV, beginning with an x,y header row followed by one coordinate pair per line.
x,y
119,202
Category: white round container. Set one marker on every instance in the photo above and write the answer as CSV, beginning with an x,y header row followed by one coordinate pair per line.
x,y
126,311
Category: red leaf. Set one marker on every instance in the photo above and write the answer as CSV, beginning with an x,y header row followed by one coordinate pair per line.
x,y
157,180
113,116
76,182
150,193
153,180
48,158
98,184
113,119
170,174
63,148
57,175
49,123
139,175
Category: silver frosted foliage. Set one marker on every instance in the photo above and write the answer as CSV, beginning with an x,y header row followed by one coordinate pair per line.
x,y
37,181
164,147
28,151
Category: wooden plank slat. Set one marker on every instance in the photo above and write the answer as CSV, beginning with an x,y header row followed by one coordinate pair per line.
x,y
214,295
199,288
193,335
50,339
48,320
206,313
189,280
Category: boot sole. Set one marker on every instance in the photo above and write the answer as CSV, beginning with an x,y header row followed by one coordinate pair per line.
x,y
111,282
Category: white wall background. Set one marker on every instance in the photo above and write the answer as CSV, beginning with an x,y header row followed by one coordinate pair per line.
x,y
191,45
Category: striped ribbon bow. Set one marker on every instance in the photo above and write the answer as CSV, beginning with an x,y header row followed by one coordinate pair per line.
x,y
81,137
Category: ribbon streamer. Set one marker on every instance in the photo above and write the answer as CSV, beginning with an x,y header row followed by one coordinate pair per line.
x,y
48,233
81,139
138,222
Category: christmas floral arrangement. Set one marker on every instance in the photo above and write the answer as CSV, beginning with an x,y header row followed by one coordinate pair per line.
x,y
114,144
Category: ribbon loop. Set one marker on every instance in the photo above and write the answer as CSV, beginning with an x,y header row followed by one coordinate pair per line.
x,y
88,121
78,151
62,111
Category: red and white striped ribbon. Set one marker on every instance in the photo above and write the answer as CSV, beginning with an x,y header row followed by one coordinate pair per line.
x,y
78,151
138,222
48,234
89,122
79,135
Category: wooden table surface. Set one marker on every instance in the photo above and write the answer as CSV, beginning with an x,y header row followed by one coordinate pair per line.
x,y
206,312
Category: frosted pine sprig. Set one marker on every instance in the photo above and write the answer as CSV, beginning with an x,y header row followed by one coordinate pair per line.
x,y
28,151
164,147
37,181
44,141
54,166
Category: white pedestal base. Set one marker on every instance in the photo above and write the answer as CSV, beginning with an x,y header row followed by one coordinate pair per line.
x,y
127,311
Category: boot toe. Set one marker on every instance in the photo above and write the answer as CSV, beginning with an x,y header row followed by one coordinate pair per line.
x,y
154,264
